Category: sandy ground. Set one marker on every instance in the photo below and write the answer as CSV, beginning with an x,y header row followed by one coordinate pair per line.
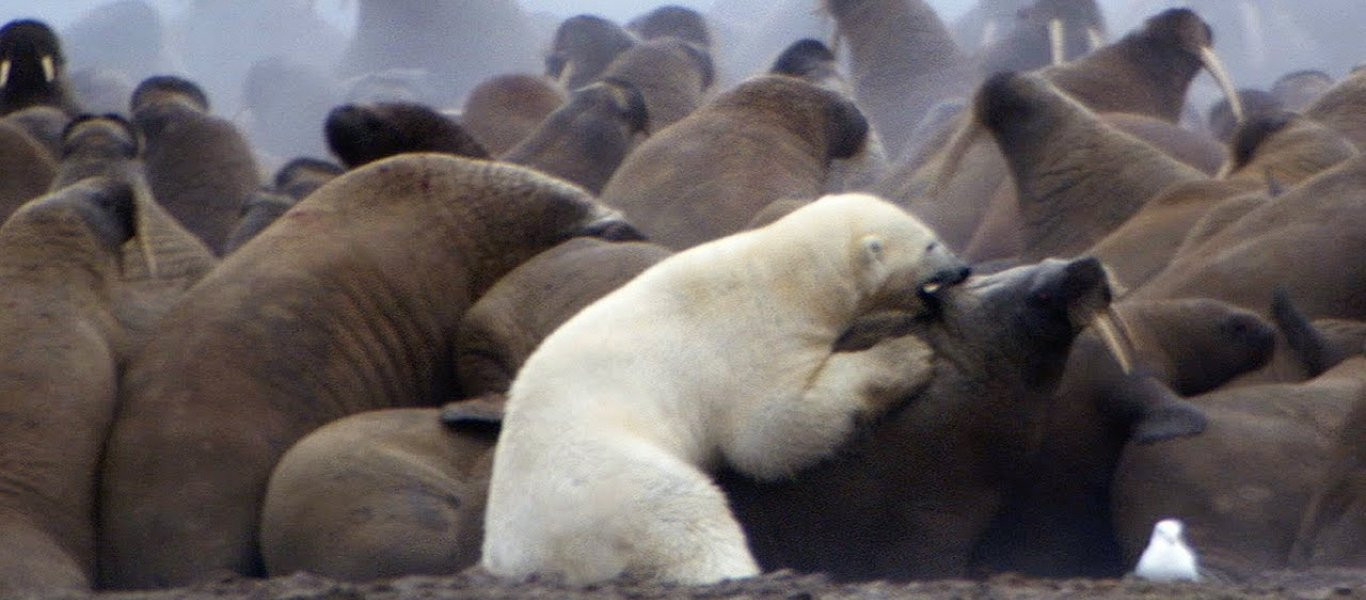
x,y
1312,584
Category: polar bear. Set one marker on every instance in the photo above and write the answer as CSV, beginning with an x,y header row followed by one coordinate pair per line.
x,y
722,352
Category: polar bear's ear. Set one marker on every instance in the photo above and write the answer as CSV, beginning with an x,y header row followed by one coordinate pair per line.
x,y
873,249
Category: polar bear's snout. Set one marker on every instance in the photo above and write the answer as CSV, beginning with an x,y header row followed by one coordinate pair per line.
x,y
944,269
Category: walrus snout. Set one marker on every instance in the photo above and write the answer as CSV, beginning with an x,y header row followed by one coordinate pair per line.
x,y
107,207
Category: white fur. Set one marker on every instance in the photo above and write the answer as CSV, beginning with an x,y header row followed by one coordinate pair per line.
x,y
722,351
1167,557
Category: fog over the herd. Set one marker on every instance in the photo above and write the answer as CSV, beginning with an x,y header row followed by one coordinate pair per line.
x,y
220,44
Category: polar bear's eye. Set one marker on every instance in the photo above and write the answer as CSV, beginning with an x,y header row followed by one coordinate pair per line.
x,y
931,246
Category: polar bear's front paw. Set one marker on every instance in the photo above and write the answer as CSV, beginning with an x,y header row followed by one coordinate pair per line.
x,y
868,330
894,369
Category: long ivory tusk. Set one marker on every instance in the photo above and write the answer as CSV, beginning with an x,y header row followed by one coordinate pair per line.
x,y
1216,69
958,145
1115,334
49,68
566,72
1225,169
1056,41
4,73
1095,38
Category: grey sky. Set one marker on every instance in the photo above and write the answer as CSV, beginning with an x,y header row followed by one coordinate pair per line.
x,y
60,12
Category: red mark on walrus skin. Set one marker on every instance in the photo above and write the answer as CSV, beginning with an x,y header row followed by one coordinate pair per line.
x,y
302,218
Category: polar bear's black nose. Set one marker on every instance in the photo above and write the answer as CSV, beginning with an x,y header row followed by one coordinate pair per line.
x,y
958,275
946,277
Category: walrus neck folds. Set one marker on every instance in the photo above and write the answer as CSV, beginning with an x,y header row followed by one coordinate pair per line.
x,y
1168,70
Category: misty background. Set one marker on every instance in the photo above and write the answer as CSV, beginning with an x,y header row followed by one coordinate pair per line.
x,y
342,12
276,66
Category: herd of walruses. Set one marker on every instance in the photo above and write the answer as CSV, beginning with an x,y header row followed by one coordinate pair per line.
x,y
265,286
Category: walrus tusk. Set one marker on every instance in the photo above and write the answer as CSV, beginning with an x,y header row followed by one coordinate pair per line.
x,y
1056,41
957,146
566,73
148,255
4,73
1225,169
49,68
1095,38
1216,69
1115,334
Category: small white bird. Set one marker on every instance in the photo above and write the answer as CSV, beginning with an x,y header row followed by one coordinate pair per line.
x,y
1167,557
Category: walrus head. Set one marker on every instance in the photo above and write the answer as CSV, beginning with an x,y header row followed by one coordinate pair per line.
x,y
97,213
107,135
159,89
1183,43
30,55
362,133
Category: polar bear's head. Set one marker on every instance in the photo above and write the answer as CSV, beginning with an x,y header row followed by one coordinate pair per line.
x,y
898,262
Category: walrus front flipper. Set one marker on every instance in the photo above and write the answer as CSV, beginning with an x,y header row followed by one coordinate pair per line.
x,y
1157,412
1317,345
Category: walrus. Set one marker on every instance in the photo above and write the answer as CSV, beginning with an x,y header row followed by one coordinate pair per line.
x,y
59,257
44,124
304,175
1246,484
1340,108
1266,245
28,168
295,180
1048,32
583,47
504,110
1147,72
346,303
372,462
813,61
1057,520
706,176
361,133
1296,90
1223,122
199,166
162,259
679,22
902,62
672,75
32,68
92,145
86,270
585,140
341,496
1285,148
507,323
1069,200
